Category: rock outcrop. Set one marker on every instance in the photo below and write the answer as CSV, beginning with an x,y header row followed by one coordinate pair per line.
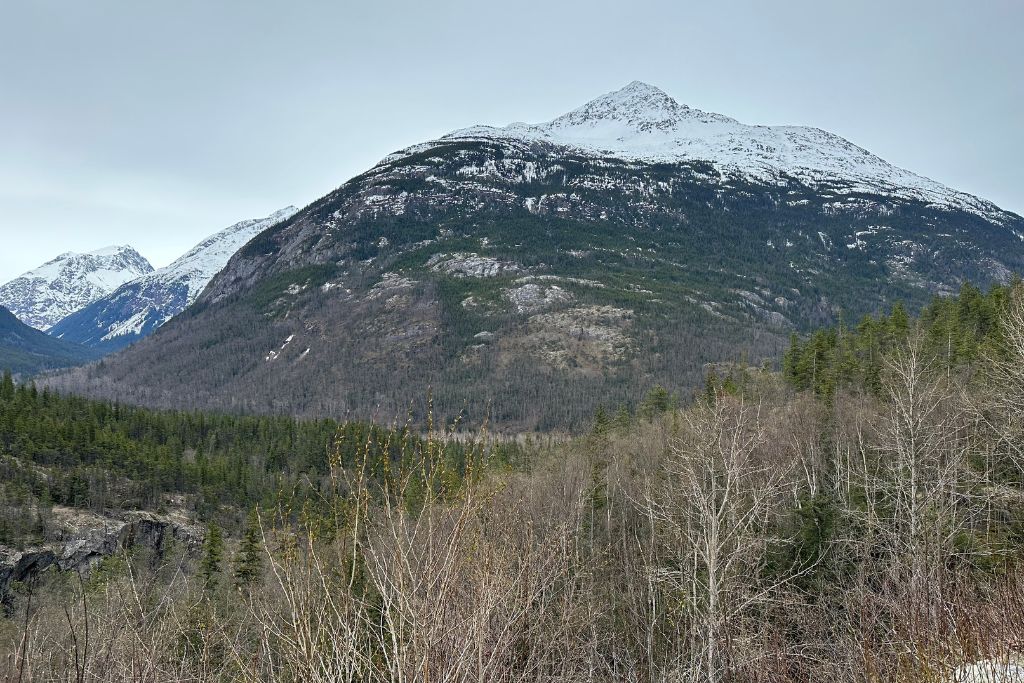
x,y
88,538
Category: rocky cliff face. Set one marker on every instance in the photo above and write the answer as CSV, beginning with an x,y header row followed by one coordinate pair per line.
x,y
86,539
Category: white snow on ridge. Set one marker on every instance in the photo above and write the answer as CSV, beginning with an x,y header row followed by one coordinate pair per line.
x,y
68,283
642,123
144,303
196,267
156,293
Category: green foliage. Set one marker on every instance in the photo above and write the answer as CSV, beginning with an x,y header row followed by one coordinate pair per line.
x,y
285,286
956,331
602,421
6,387
213,556
70,451
249,561
657,402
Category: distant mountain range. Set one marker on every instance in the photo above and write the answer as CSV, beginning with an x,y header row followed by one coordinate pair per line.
x,y
138,307
538,271
26,350
43,296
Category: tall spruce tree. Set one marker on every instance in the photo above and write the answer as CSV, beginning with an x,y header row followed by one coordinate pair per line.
x,y
213,555
7,386
249,561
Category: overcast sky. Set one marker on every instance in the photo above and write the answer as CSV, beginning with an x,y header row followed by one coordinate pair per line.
x,y
158,123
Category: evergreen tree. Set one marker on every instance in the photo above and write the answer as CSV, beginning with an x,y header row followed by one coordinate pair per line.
x,y
791,359
656,402
899,323
711,387
623,419
213,554
249,562
602,421
7,386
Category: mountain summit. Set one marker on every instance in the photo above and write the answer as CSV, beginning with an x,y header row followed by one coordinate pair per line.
x,y
69,282
544,270
641,107
641,122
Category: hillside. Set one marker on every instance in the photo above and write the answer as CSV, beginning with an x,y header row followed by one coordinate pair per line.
x,y
25,350
59,287
773,528
544,270
138,307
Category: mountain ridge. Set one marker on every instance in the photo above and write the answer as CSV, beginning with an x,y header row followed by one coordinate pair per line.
x,y
650,126
26,350
140,306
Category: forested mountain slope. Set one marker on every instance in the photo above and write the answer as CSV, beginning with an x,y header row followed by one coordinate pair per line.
x,y
538,271
26,350
859,516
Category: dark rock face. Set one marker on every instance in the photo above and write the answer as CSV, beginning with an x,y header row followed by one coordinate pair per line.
x,y
91,543
15,566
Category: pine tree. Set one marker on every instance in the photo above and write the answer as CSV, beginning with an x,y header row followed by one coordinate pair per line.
x,y
249,562
623,419
899,323
602,421
7,386
711,387
213,554
791,359
656,402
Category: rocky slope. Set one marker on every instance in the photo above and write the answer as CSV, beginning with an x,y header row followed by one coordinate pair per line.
x,y
543,270
137,308
26,350
54,290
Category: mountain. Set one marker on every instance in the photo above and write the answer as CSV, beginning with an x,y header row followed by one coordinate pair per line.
x,y
54,290
543,270
26,350
137,308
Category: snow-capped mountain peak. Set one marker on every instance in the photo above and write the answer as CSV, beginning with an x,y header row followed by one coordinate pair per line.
x,y
70,282
642,123
140,306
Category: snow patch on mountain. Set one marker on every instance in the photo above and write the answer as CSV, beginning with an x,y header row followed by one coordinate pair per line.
x,y
68,283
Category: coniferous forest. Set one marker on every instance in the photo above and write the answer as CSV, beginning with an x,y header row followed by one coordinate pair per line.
x,y
854,514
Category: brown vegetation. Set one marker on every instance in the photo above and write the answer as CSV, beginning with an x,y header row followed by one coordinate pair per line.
x,y
755,535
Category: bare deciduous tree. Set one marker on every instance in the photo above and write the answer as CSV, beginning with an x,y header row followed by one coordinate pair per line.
x,y
715,507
